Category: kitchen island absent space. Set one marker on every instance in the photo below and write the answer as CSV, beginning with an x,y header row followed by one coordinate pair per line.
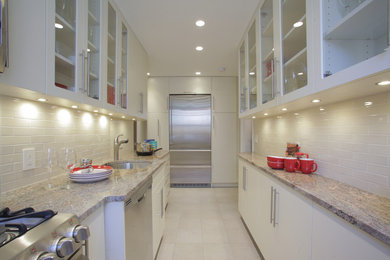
x,y
350,209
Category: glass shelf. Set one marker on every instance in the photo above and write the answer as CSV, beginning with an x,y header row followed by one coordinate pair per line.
x,y
94,23
252,66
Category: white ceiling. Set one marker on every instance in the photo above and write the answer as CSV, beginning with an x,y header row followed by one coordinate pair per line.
x,y
166,29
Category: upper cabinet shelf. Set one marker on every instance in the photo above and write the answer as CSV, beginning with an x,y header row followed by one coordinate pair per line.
x,y
366,21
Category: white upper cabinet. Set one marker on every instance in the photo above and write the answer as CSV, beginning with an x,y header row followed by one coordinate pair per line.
x,y
242,78
74,50
158,95
190,85
353,31
252,64
224,94
27,64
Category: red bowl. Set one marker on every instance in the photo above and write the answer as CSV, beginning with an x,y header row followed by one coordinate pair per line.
x,y
276,165
271,158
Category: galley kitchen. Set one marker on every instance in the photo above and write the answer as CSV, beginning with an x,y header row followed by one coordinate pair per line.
x,y
176,130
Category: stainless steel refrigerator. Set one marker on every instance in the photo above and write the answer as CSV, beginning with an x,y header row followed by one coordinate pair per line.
x,y
190,139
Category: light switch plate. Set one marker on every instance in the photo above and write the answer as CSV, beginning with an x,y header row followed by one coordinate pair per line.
x,y
28,158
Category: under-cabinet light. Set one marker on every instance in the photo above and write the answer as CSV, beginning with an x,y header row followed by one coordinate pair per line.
x,y
42,99
368,103
123,116
147,73
253,117
296,114
198,73
322,109
266,114
383,83
110,114
316,101
252,73
96,111
200,23
134,119
74,106
300,73
298,24
284,109
58,26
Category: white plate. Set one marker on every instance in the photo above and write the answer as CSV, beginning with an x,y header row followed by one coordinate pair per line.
x,y
94,179
90,177
96,172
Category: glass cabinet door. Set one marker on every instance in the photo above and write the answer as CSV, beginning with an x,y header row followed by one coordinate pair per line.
x,y
123,78
65,44
353,31
111,55
252,55
294,51
268,82
93,51
242,80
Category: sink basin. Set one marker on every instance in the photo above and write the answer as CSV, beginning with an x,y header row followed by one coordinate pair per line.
x,y
129,164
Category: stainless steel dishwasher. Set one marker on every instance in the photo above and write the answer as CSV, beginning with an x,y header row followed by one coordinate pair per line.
x,y
138,224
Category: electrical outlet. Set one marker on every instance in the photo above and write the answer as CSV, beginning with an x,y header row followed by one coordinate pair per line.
x,y
28,158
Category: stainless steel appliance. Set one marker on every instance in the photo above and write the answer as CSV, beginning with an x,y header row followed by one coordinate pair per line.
x,y
190,139
3,35
139,224
43,235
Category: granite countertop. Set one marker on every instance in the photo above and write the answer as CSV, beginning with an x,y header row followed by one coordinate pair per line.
x,y
82,199
364,210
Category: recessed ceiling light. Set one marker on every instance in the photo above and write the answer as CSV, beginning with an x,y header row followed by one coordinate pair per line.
x,y
74,106
42,99
253,117
252,73
316,101
96,111
200,23
58,26
110,114
383,83
298,24
266,114
368,103
147,73
300,73
123,116
284,109
322,109
199,48
198,73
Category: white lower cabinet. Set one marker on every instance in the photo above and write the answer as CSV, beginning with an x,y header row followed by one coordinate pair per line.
x,y
158,208
333,238
96,241
286,225
278,219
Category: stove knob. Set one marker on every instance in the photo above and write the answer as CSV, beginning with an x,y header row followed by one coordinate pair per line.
x,y
46,256
80,233
64,247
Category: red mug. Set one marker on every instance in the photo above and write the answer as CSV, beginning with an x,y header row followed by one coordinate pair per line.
x,y
291,164
307,165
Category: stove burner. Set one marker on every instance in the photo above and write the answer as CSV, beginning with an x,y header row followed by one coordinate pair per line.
x,y
15,224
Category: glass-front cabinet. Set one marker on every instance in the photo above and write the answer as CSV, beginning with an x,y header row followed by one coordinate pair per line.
x,y
243,78
268,79
252,61
77,49
353,31
66,54
123,77
111,55
294,45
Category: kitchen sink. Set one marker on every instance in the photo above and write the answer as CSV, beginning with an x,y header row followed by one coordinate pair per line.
x,y
129,164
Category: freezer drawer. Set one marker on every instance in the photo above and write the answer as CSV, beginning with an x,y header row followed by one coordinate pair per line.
x,y
190,157
190,174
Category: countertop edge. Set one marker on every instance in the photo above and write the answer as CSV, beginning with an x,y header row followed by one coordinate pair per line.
x,y
331,208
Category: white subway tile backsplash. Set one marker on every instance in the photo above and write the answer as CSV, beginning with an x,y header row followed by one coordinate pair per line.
x,y
26,124
349,141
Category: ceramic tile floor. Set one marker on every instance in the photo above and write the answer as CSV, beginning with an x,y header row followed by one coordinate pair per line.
x,y
204,224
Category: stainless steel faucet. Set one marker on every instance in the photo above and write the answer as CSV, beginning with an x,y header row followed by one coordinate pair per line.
x,y
117,144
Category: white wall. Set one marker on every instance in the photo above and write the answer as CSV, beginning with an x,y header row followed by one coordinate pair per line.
x,y
25,124
349,141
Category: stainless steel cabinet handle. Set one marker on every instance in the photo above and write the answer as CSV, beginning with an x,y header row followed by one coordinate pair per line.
x,y
213,122
82,87
272,79
119,87
162,202
244,179
213,103
158,127
274,219
272,204
88,69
